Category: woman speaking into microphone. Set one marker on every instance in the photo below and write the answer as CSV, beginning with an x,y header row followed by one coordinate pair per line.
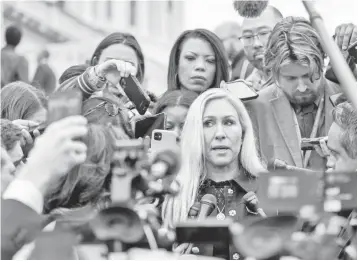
x,y
219,157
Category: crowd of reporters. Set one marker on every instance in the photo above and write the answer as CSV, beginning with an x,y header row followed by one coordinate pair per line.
x,y
63,171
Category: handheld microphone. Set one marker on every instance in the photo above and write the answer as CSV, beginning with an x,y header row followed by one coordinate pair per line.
x,y
194,210
250,9
207,204
252,203
275,164
165,163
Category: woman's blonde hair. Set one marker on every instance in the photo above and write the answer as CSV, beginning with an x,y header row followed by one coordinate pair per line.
x,y
293,39
192,172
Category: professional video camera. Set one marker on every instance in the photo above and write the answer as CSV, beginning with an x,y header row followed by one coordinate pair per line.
x,y
131,220
316,217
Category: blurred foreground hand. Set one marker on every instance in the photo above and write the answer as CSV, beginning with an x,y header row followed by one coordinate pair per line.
x,y
56,152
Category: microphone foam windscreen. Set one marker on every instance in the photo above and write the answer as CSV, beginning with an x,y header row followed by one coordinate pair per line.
x,y
209,198
250,9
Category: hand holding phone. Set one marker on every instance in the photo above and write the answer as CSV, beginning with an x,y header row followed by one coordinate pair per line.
x,y
113,70
135,93
322,148
309,143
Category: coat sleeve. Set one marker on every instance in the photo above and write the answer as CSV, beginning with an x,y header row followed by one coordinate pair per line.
x,y
20,225
88,83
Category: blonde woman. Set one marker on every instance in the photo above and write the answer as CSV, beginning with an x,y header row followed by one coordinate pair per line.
x,y
218,157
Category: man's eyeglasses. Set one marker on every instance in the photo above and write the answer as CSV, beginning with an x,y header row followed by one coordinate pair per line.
x,y
249,39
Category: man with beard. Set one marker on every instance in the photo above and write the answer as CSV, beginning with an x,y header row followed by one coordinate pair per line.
x,y
254,36
229,33
286,110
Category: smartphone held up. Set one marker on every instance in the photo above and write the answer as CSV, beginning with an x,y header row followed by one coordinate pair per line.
x,y
132,88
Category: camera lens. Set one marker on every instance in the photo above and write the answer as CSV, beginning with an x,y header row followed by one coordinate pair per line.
x,y
157,136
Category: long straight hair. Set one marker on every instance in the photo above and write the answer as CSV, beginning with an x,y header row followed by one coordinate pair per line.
x,y
193,172
221,60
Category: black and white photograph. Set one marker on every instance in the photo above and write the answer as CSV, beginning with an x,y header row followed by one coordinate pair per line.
x,y
178,130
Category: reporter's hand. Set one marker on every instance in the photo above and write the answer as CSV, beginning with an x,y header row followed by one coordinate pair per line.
x,y
322,149
27,141
25,127
346,34
56,151
113,70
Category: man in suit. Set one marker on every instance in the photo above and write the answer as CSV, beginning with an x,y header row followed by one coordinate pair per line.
x,y
286,110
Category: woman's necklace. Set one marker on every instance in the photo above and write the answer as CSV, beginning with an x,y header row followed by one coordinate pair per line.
x,y
220,215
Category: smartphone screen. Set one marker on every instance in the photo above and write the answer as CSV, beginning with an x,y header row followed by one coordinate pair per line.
x,y
241,90
135,93
208,231
64,104
146,126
